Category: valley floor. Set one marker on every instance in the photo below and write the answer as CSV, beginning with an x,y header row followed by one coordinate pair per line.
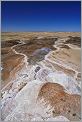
x,y
41,76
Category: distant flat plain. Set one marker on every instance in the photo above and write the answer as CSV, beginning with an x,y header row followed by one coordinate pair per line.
x,y
24,35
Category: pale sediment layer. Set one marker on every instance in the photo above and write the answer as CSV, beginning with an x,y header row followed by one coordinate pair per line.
x,y
41,77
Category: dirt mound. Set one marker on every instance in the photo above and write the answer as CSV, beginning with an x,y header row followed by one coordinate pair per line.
x,y
9,63
9,43
74,40
64,104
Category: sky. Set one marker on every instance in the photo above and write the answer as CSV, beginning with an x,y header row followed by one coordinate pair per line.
x,y
51,16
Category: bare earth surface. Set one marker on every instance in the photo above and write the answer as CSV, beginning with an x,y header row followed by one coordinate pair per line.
x,y
41,76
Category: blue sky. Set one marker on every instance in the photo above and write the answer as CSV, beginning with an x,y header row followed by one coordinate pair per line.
x,y
40,16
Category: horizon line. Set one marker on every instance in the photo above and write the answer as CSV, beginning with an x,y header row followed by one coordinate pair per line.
x,y
39,31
